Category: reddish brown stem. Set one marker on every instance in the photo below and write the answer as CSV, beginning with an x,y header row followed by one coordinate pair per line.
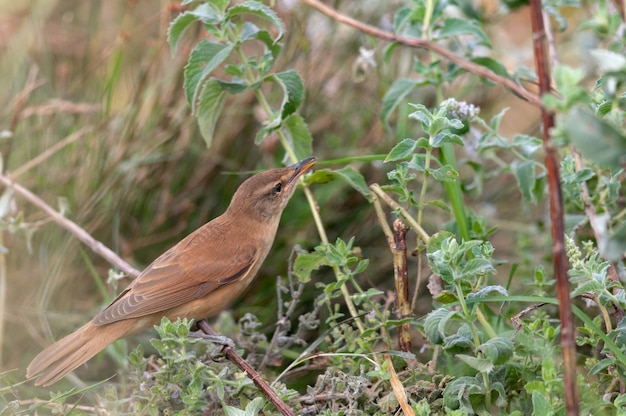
x,y
559,258
256,378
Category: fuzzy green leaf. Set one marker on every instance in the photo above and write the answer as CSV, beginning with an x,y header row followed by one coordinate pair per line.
x,y
498,350
204,59
394,96
355,180
525,175
305,263
444,174
293,91
454,27
401,151
210,105
479,364
298,135
258,9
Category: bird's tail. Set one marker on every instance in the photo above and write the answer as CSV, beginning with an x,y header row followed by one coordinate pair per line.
x,y
65,355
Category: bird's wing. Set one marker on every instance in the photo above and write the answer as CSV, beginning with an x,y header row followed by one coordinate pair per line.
x,y
196,266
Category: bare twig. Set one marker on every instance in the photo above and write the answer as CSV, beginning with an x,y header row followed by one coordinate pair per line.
x,y
403,212
559,258
476,69
72,227
42,157
401,278
231,354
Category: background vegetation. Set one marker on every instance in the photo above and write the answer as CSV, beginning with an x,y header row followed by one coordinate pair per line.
x,y
96,122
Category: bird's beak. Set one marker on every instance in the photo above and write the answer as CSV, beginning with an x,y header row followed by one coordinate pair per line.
x,y
301,167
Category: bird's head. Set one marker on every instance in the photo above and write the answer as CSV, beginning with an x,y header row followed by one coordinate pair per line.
x,y
265,195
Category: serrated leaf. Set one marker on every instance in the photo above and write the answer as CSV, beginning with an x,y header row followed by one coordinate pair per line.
x,y
402,150
305,263
178,26
355,180
478,267
435,322
454,27
498,350
236,86
260,10
479,364
444,174
596,139
251,31
421,114
443,138
590,286
488,291
293,91
204,59
298,135
210,105
394,96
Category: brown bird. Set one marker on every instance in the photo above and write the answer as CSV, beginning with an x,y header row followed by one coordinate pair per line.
x,y
197,278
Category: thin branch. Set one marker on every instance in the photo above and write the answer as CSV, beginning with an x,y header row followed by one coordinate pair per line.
x,y
403,212
559,258
231,354
472,67
86,238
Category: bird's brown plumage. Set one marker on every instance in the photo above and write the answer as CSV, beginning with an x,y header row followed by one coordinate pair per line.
x,y
197,278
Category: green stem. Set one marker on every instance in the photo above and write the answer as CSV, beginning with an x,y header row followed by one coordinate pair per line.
x,y
307,192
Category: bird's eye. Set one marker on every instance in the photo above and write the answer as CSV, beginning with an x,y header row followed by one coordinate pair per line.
x,y
277,188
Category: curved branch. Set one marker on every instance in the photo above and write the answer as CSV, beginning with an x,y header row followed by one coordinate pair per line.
x,y
472,67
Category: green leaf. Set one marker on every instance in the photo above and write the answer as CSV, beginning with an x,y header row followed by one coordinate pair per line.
x,y
401,151
435,322
541,405
454,27
421,114
479,364
525,175
444,174
446,137
348,174
498,350
305,263
211,103
486,291
596,139
298,135
293,90
591,286
180,24
355,180
494,66
394,96
250,31
478,267
258,9
204,59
